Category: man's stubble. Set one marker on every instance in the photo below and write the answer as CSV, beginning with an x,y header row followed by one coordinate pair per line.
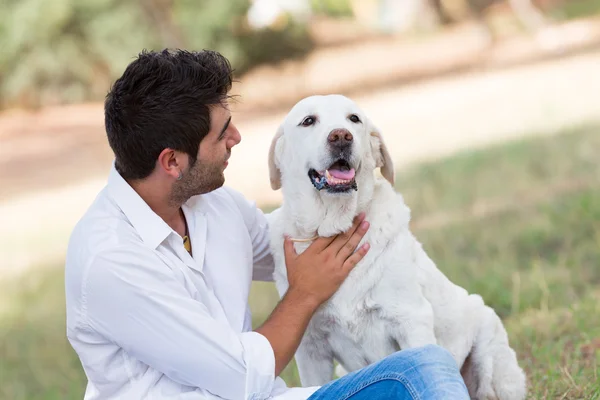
x,y
201,178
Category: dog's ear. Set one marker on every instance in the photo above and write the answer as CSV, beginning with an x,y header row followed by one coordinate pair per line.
x,y
274,172
383,160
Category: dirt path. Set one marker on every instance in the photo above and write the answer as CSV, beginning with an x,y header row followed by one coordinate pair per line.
x,y
421,121
67,145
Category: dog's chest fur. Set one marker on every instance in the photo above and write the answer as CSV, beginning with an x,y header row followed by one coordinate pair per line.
x,y
342,321
363,299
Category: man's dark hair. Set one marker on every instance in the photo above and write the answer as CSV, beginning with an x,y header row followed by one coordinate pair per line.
x,y
162,101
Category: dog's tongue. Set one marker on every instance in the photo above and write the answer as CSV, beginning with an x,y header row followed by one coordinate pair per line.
x,y
345,175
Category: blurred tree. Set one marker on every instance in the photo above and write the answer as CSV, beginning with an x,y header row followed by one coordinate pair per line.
x,y
222,26
67,50
160,13
71,50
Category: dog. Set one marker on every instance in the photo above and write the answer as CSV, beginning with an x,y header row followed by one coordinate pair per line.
x,y
324,157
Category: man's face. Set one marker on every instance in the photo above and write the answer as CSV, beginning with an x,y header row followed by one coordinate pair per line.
x,y
207,174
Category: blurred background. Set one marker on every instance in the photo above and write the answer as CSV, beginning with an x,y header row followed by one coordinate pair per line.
x,y
490,109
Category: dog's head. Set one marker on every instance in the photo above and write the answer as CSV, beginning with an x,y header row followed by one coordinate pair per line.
x,y
328,142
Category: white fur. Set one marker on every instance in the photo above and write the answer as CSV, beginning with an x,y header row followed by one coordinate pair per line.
x,y
395,298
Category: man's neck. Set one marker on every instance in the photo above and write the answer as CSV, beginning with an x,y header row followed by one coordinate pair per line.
x,y
157,198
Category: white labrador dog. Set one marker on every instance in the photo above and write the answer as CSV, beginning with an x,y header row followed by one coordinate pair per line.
x,y
323,157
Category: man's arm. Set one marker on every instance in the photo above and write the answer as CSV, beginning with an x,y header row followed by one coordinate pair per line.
x,y
313,276
131,298
286,325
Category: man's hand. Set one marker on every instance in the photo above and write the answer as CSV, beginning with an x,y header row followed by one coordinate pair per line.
x,y
319,271
313,277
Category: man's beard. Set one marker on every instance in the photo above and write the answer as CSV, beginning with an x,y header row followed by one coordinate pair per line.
x,y
201,178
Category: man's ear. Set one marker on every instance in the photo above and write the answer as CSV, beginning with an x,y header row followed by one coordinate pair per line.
x,y
382,157
274,172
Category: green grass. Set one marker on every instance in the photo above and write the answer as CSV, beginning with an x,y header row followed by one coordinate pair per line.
x,y
518,223
573,9
36,361
560,348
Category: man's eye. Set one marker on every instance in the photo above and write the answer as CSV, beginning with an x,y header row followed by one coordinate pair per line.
x,y
354,118
308,121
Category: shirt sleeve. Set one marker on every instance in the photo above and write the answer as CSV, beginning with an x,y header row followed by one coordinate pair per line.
x,y
258,228
134,300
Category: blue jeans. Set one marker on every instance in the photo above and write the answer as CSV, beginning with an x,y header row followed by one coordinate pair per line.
x,y
424,373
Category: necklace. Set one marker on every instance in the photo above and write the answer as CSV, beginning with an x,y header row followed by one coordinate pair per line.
x,y
186,238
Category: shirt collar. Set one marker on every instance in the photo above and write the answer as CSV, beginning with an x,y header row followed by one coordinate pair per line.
x,y
152,229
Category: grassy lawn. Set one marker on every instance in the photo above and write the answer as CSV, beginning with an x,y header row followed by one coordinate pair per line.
x,y
519,224
575,9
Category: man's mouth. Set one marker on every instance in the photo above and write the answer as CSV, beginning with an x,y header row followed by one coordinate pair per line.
x,y
338,178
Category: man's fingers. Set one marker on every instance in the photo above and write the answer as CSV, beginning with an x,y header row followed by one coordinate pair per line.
x,y
288,249
349,247
341,239
356,257
321,243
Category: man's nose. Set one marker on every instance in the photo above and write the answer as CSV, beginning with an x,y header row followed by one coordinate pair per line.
x,y
235,137
340,138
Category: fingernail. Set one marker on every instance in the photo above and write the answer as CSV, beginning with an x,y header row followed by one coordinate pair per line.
x,y
364,225
366,246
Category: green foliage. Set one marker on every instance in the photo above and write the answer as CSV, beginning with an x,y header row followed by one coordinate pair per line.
x,y
574,9
67,49
332,8
72,50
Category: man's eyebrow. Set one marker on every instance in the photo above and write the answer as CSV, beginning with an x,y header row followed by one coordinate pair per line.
x,y
224,128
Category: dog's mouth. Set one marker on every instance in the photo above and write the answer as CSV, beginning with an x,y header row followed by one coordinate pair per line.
x,y
338,178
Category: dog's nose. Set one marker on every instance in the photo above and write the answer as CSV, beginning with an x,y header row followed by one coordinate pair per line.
x,y
340,137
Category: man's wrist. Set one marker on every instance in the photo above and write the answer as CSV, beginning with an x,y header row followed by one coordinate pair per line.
x,y
303,299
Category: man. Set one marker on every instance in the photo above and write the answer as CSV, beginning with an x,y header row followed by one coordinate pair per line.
x,y
158,270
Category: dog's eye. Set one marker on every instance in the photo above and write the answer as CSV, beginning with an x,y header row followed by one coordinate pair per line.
x,y
354,118
308,121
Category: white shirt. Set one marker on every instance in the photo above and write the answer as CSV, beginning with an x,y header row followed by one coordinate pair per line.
x,y
149,321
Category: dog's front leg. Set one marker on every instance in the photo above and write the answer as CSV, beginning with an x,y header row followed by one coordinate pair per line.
x,y
315,362
415,322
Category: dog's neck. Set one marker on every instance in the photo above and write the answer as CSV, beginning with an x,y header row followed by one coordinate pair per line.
x,y
313,213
